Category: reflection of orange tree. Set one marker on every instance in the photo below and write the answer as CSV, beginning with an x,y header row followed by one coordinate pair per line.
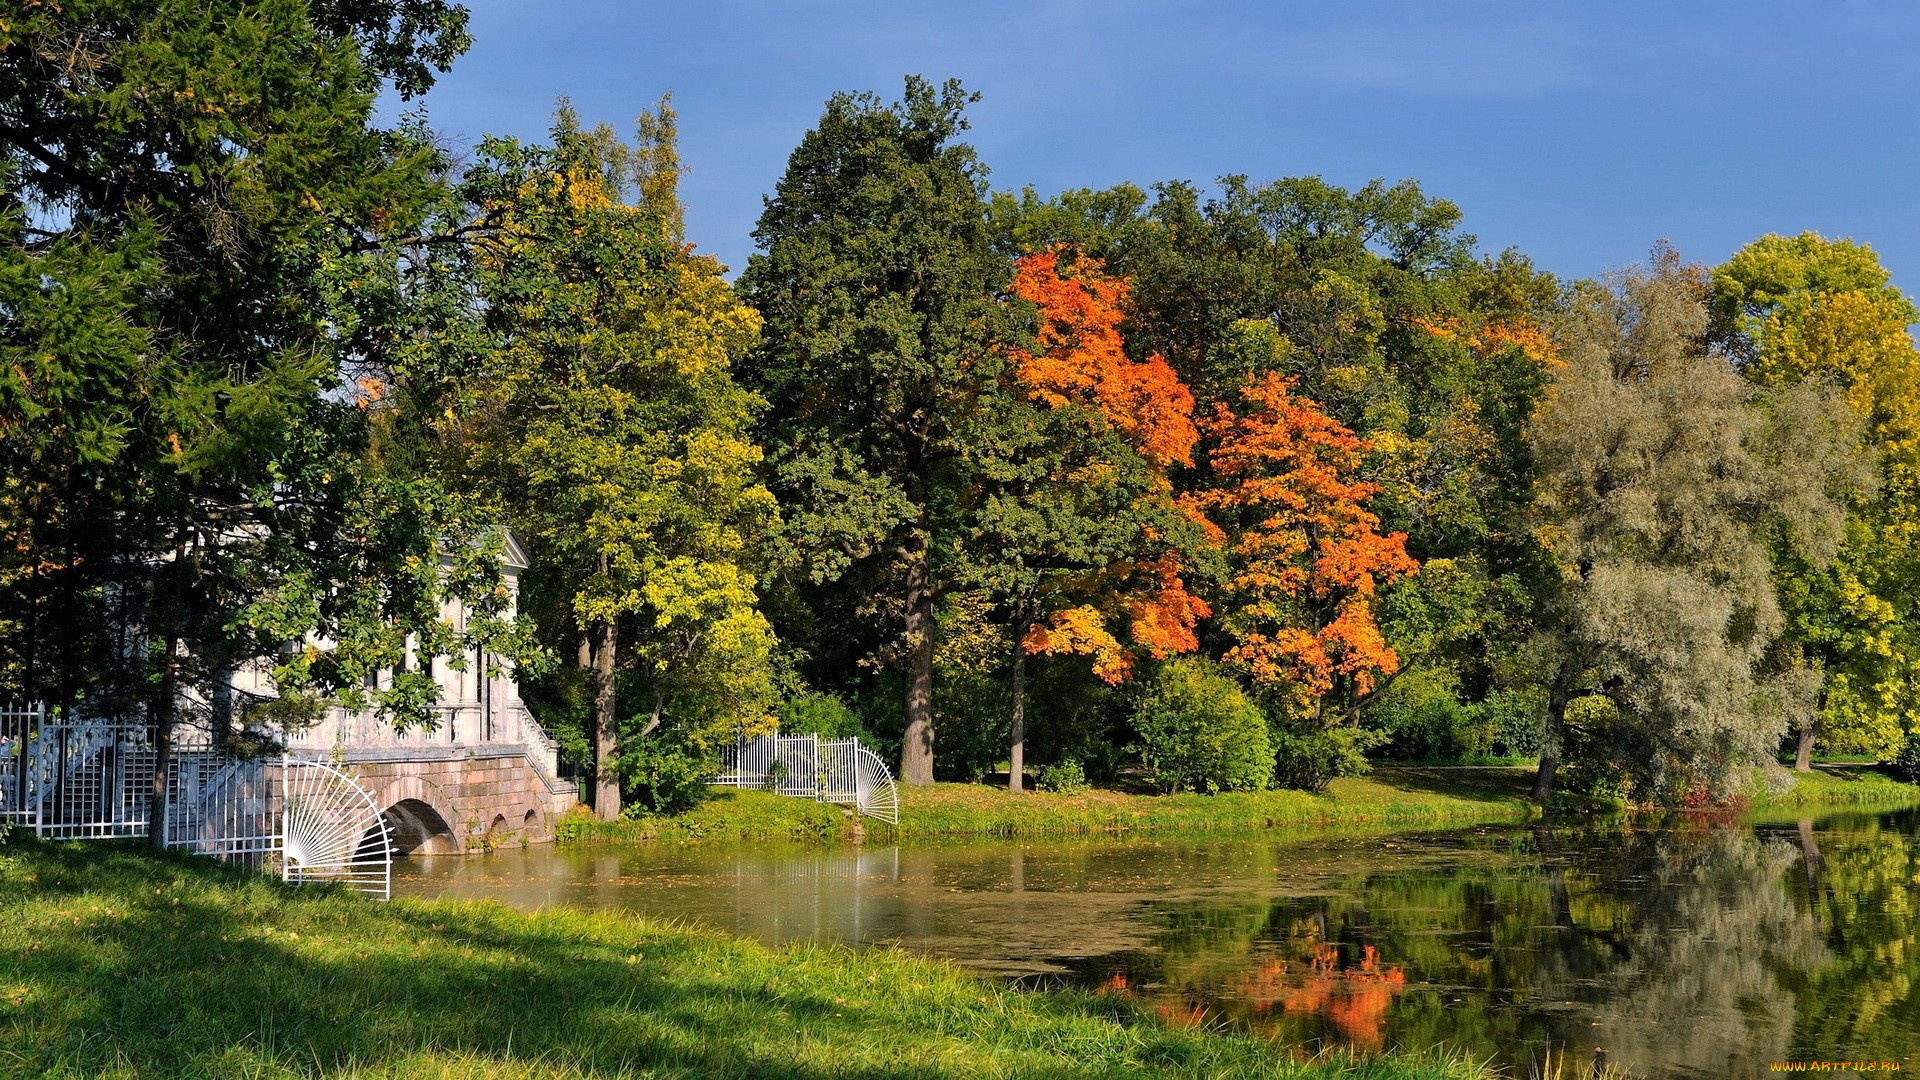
x,y
1355,998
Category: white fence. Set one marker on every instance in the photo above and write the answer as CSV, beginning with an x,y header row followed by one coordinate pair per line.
x,y
457,725
809,767
91,779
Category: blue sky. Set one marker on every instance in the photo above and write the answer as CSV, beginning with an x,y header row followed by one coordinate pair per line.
x,y
1578,134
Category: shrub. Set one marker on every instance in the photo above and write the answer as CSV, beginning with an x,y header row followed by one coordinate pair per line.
x,y
1199,731
1906,763
1423,719
824,715
1607,762
1066,778
574,823
1309,760
1518,718
664,777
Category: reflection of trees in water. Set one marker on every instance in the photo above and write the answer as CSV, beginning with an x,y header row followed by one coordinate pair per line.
x,y
1859,884
1692,948
1713,930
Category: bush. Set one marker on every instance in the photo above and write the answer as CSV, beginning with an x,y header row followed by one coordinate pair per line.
x,y
1608,763
1439,729
1906,763
574,823
1066,778
1310,760
1519,720
824,715
1199,731
663,777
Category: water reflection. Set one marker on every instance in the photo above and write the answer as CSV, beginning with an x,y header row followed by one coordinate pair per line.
x,y
1688,949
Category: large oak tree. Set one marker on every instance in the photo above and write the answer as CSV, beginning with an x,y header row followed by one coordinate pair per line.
x,y
878,285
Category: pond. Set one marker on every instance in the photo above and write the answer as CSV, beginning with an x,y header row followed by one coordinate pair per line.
x,y
1685,948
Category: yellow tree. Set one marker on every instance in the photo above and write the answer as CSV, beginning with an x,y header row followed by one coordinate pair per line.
x,y
1307,559
618,441
1805,309
1081,531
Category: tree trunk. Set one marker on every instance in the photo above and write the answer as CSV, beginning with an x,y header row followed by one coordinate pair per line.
x,y
220,708
1809,729
162,748
162,709
1551,748
1017,754
916,749
659,711
1810,861
606,786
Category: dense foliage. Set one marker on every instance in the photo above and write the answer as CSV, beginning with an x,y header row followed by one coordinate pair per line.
x,y
1213,492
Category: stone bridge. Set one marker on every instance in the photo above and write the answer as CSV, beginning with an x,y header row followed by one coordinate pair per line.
x,y
484,774
486,777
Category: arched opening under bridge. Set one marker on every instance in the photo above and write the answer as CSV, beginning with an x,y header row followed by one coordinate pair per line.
x,y
416,828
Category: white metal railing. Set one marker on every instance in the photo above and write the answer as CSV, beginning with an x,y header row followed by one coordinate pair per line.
x,y
461,724
74,779
332,830
224,807
806,766
93,779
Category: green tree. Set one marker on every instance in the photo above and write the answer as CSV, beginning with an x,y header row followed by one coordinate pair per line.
x,y
211,175
1804,309
877,282
1201,732
612,430
1666,480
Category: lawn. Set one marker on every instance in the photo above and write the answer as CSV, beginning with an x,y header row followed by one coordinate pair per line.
x,y
1837,786
1388,796
114,962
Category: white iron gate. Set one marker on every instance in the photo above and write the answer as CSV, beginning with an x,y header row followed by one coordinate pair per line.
x,y
809,767
90,779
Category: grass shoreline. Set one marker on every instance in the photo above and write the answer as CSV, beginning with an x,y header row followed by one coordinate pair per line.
x,y
1412,797
1838,787
1390,796
118,962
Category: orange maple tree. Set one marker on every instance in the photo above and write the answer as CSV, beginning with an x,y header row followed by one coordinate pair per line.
x,y
1308,557
1079,361
1081,358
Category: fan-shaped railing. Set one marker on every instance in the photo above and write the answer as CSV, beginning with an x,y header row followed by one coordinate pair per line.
x,y
838,771
93,779
332,830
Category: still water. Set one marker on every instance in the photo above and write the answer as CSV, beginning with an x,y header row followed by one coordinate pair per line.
x,y
1688,948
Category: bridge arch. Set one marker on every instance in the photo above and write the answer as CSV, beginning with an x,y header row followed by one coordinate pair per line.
x,y
419,820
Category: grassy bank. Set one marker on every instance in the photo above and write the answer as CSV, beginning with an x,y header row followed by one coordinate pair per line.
x,y
1830,787
1388,796
116,963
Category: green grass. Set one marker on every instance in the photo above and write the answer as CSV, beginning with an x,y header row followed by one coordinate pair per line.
x,y
1388,796
114,962
1838,786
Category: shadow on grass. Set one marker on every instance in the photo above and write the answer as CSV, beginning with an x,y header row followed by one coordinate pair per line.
x,y
1486,783
154,965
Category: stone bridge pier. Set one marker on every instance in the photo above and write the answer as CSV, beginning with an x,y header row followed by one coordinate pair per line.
x,y
450,800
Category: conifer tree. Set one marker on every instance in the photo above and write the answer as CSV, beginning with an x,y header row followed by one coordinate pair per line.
x,y
878,285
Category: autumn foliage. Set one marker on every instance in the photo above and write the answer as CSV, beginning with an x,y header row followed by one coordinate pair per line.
x,y
1308,556
1080,358
1079,361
